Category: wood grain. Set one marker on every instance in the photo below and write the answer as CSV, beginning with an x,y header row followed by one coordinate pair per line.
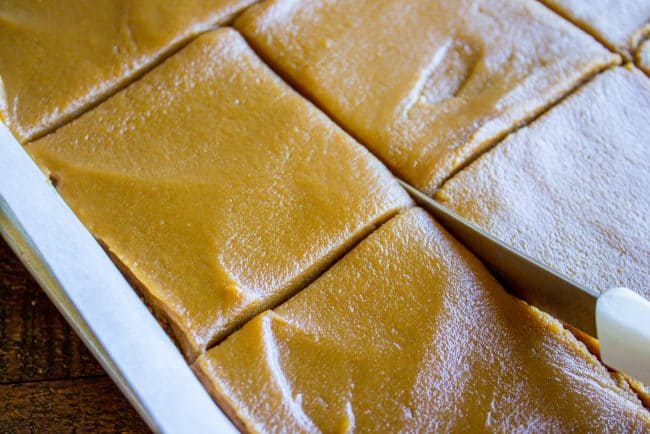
x,y
49,382
78,405
35,341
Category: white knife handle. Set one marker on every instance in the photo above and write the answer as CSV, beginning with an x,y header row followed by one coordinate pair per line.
x,y
623,327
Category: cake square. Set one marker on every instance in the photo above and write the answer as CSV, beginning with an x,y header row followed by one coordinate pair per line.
x,y
570,189
410,333
218,189
425,85
57,59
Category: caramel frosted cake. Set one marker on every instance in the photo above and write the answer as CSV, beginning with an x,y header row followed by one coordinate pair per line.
x,y
218,188
571,189
410,333
618,24
220,169
59,57
425,85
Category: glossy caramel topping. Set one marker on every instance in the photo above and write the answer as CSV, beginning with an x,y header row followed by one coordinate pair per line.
x,y
617,23
410,333
571,189
59,57
643,56
424,84
218,188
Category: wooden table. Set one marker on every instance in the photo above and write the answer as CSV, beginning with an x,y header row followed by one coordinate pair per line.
x,y
49,382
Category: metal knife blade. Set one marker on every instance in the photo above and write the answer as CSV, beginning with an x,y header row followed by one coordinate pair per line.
x,y
529,279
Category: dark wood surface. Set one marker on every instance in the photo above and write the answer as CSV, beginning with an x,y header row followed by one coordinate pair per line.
x,y
49,382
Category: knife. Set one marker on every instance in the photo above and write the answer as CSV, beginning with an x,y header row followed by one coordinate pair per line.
x,y
619,318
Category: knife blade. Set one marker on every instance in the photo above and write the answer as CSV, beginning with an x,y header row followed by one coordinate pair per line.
x,y
619,317
531,280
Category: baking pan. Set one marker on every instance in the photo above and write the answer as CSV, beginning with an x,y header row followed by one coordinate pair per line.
x,y
93,296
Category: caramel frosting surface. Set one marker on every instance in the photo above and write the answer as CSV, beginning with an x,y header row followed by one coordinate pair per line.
x,y
571,189
410,333
617,23
59,57
219,189
425,85
643,56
